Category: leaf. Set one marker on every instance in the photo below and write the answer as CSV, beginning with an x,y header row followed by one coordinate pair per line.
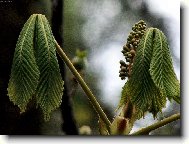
x,y
125,99
161,68
141,88
50,89
124,96
24,73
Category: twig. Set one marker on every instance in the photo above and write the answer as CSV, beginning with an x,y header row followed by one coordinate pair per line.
x,y
84,86
157,125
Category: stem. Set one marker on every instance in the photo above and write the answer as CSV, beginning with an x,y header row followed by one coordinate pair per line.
x,y
69,125
157,125
84,86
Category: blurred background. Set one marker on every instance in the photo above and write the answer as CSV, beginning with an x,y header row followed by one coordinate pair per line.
x,y
99,27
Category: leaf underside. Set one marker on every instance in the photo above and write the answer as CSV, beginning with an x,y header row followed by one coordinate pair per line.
x,y
50,88
24,72
161,68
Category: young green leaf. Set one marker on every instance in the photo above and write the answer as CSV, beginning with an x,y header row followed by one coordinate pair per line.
x,y
141,88
24,73
161,68
124,96
50,88
125,99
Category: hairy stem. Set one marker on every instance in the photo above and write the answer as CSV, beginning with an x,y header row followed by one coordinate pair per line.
x,y
159,124
84,86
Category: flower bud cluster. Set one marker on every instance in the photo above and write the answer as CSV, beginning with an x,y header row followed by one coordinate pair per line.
x,y
129,49
124,70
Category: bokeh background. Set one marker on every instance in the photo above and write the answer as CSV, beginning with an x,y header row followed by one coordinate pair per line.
x,y
101,28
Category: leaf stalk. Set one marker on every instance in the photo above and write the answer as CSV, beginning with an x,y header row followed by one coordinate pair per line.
x,y
84,86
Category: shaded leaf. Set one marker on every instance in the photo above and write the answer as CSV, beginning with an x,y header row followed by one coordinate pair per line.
x,y
24,73
50,89
161,68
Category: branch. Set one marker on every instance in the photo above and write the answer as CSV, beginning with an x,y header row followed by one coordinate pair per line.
x,y
84,86
159,124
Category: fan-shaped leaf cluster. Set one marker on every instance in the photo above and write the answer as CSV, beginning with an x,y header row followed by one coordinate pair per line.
x,y
152,78
35,71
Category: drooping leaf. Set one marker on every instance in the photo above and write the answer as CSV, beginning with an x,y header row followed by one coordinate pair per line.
x,y
141,88
124,96
161,68
24,73
125,99
50,89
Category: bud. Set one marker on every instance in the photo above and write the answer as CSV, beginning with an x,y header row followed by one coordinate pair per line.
x,y
129,55
137,36
132,52
125,54
125,48
135,43
139,33
137,40
141,21
122,74
122,62
123,78
120,126
143,31
133,40
124,69
123,51
131,46
133,28
128,59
